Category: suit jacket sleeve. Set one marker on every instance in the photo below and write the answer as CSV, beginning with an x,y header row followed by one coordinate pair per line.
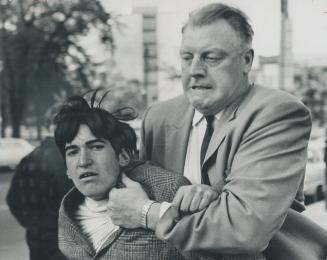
x,y
266,172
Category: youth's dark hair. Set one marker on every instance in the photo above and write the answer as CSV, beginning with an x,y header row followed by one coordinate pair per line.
x,y
211,13
76,111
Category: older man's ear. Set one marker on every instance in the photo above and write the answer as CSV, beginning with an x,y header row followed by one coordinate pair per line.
x,y
124,158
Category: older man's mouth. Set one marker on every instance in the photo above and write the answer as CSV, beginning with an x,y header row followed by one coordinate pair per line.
x,y
87,175
200,87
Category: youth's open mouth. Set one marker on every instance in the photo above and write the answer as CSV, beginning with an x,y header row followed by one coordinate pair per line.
x,y
87,174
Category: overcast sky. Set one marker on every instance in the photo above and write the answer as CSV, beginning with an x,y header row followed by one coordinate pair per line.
x,y
309,20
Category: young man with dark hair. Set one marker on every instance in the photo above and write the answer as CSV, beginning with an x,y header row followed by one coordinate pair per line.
x,y
98,150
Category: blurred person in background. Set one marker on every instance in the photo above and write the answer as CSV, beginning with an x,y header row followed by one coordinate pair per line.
x,y
37,188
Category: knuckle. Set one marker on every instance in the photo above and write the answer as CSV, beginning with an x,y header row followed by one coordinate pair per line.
x,y
182,189
213,194
196,188
201,192
184,208
193,207
180,192
207,197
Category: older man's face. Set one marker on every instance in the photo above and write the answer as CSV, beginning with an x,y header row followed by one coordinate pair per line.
x,y
92,164
214,66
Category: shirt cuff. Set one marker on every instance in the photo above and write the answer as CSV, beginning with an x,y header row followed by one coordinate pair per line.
x,y
164,206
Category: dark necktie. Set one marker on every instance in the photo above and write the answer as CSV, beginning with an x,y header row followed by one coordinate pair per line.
x,y
204,148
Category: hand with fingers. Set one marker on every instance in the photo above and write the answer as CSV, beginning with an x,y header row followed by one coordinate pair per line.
x,y
125,204
194,198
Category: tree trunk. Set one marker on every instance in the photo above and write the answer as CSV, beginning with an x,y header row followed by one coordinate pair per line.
x,y
15,112
39,128
16,129
4,121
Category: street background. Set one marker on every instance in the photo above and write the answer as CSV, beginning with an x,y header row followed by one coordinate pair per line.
x,y
12,235
132,48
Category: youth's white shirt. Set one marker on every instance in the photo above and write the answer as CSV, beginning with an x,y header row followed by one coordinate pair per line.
x,y
93,218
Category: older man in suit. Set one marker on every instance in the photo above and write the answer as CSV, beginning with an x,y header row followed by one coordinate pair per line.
x,y
246,141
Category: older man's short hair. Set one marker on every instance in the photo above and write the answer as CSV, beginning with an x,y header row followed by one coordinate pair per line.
x,y
211,13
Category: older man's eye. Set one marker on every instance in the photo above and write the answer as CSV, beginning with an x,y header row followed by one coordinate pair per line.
x,y
213,58
187,58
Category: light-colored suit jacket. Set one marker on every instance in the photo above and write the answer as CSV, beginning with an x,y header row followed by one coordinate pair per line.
x,y
256,158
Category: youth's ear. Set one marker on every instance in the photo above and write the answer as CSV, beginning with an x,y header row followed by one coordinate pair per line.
x,y
124,158
68,175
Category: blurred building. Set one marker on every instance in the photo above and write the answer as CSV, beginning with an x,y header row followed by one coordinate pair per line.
x,y
143,47
266,71
147,47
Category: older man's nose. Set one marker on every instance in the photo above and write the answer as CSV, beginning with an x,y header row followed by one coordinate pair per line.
x,y
197,68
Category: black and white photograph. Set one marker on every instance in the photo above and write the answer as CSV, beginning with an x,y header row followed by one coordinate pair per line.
x,y
163,130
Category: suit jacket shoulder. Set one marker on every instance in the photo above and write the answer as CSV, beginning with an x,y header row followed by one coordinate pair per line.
x,y
167,111
261,100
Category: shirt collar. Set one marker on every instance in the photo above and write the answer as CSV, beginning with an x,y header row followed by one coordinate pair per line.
x,y
96,205
198,117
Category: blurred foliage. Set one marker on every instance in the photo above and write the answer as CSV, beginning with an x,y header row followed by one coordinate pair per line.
x,y
311,86
41,54
124,92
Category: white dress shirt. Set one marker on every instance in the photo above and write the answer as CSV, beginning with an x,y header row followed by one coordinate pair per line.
x,y
192,166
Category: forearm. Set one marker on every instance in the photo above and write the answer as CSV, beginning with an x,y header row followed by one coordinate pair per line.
x,y
219,229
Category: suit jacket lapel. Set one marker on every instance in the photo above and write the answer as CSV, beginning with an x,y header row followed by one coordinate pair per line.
x,y
219,133
177,132
224,123
110,240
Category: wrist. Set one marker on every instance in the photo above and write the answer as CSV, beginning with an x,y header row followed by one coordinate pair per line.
x,y
144,213
153,216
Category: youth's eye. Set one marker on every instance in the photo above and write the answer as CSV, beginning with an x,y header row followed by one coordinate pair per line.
x,y
97,147
71,152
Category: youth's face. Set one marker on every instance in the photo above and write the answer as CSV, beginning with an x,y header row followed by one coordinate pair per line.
x,y
92,164
215,65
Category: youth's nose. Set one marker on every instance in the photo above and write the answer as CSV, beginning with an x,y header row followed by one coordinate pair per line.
x,y
84,158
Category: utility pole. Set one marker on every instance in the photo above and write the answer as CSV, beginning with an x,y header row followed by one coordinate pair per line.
x,y
2,20
325,159
286,77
